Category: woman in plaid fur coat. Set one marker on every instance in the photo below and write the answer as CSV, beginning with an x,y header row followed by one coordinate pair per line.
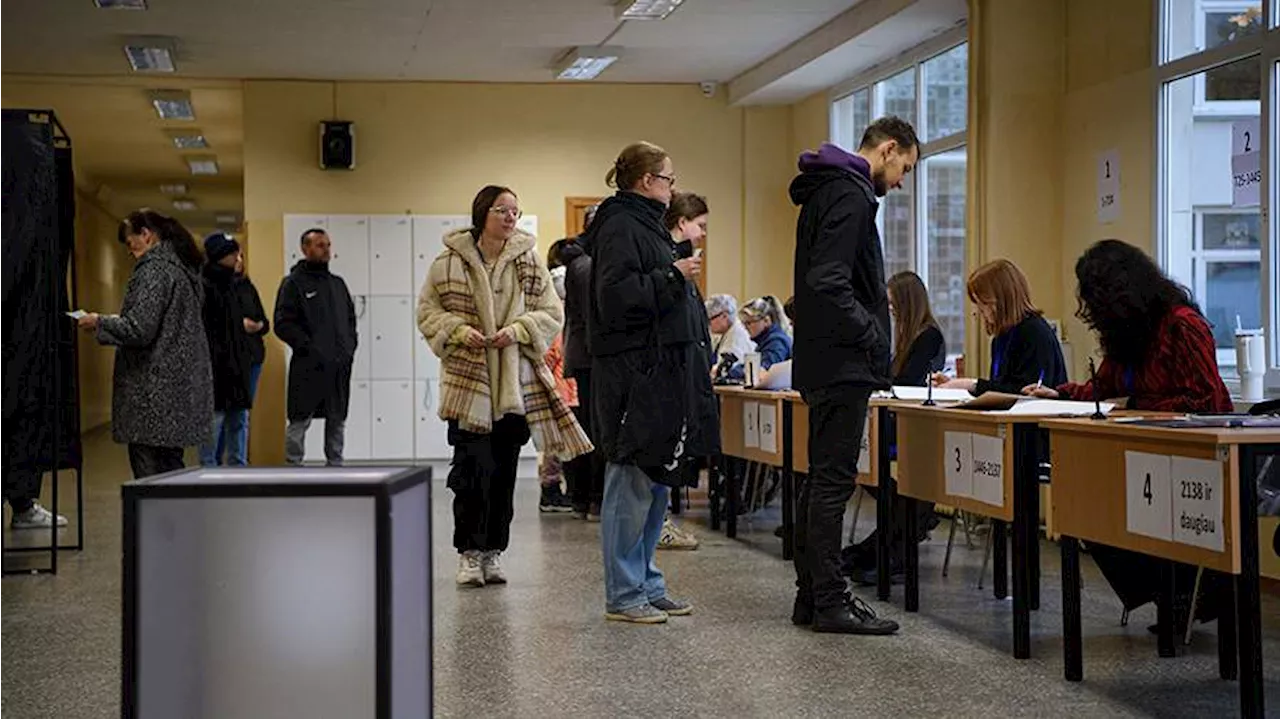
x,y
489,312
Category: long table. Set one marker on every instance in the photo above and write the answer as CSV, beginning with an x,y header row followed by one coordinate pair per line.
x,y
1183,495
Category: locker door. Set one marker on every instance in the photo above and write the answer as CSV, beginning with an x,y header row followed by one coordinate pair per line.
x,y
391,246
393,419
294,226
425,363
359,422
350,236
393,329
362,367
431,436
428,241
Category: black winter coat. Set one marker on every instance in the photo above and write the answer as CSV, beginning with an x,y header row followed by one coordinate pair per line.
x,y
577,304
651,390
251,306
839,283
229,345
316,317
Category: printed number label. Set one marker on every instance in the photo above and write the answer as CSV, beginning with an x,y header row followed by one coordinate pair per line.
x,y
1197,505
958,460
1195,490
1148,495
1146,489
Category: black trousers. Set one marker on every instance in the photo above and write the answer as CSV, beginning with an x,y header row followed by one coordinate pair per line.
x,y
21,487
148,460
585,474
483,480
836,419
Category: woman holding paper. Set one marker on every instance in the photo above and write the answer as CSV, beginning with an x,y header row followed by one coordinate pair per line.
x,y
1024,348
766,322
1158,351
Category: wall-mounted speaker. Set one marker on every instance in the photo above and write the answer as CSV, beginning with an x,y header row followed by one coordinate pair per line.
x,y
337,145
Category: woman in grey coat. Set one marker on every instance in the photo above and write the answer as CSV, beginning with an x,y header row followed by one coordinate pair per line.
x,y
162,399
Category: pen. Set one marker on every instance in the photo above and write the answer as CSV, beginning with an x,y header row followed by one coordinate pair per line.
x,y
1040,381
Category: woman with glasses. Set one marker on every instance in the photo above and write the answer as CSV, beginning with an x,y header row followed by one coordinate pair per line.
x,y
729,337
489,311
766,322
651,392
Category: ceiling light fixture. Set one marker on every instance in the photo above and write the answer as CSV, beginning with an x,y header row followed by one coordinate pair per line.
x,y
646,9
150,54
121,4
174,188
228,219
173,104
185,205
586,63
203,165
188,139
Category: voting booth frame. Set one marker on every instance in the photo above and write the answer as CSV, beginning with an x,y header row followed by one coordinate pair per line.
x,y
43,433
391,698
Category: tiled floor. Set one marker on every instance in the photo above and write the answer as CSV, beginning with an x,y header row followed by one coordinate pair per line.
x,y
539,647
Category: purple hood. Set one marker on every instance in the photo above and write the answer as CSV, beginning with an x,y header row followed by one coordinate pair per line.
x,y
831,156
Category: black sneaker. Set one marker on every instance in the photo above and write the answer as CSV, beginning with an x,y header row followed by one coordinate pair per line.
x,y
553,500
852,617
802,612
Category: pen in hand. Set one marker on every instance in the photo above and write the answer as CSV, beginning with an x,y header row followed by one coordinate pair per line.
x,y
1040,382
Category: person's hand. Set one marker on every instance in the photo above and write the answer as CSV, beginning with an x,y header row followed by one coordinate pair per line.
x,y
690,267
1039,390
505,337
937,379
252,326
965,383
474,339
89,322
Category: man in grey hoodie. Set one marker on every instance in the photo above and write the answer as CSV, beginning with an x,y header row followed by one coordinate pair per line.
x,y
841,351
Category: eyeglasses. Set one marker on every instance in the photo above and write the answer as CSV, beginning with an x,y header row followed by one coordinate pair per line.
x,y
718,315
671,179
515,212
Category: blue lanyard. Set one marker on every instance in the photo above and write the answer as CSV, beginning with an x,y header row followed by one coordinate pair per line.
x,y
1128,380
1001,349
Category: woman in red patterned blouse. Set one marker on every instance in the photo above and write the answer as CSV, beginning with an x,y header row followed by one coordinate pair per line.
x,y
1158,351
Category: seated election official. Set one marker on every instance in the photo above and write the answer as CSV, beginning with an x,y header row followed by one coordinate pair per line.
x,y
919,350
1158,351
1024,348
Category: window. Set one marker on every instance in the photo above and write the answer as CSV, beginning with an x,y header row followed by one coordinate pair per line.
x,y
922,225
1219,61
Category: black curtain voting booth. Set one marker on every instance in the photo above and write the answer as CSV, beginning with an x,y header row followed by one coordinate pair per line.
x,y
41,395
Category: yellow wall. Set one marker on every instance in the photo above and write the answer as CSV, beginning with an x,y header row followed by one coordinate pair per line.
x,y
427,147
102,272
1109,104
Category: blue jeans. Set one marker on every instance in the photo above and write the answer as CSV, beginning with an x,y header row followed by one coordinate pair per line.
x,y
227,424
239,440
631,519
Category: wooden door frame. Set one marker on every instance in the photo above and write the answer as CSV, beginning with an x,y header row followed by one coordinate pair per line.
x,y
574,207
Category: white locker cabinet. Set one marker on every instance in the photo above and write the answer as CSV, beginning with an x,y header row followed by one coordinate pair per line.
x,y
428,243
362,366
350,237
392,337
358,431
390,248
294,226
431,439
425,363
393,419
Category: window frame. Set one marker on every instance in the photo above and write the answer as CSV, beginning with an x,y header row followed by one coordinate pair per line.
x,y
913,60
1264,48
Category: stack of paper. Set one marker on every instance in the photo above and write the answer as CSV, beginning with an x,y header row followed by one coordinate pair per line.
x,y
1012,404
922,393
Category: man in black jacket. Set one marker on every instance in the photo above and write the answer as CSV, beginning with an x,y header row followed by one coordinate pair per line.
x,y
841,351
316,317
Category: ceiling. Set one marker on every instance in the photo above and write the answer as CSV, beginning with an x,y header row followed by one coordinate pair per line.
x,y
123,154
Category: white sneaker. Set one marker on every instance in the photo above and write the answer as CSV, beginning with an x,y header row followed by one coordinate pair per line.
x,y
674,538
36,517
491,565
470,573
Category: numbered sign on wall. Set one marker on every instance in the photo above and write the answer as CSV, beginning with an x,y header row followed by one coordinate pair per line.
x,y
1109,186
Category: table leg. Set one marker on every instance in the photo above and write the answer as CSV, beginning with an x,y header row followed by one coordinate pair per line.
x,y
1072,651
1021,570
884,506
1164,610
911,598
788,484
1000,558
731,491
715,485
1227,647
1248,599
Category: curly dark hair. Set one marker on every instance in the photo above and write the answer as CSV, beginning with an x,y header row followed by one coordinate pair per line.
x,y
1123,296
